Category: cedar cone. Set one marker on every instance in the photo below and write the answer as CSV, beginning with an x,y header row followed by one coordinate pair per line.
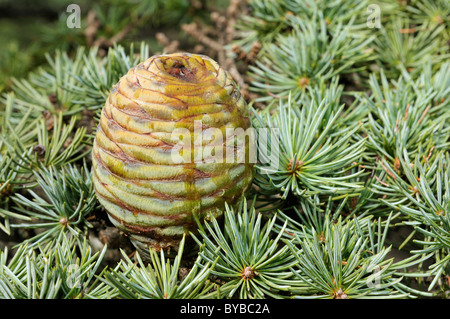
x,y
147,177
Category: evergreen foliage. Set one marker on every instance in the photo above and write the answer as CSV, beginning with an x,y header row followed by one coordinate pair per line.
x,y
361,116
160,279
252,264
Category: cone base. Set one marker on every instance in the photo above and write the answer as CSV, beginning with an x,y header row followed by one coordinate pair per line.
x,y
170,250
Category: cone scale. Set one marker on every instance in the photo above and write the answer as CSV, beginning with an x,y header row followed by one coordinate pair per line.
x,y
157,155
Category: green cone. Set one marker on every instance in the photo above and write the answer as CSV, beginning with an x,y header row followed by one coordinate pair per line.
x,y
164,149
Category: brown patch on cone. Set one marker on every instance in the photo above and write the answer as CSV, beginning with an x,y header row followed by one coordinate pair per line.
x,y
181,72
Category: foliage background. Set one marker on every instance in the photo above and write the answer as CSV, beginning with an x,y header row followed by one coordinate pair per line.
x,y
358,209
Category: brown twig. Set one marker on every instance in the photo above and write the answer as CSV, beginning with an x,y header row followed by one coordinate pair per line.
x,y
91,33
92,27
217,41
170,46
